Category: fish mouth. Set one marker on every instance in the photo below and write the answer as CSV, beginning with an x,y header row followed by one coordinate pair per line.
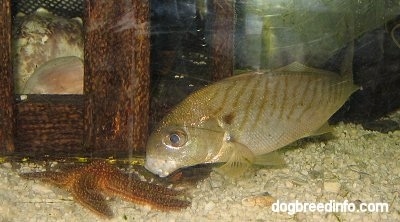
x,y
162,168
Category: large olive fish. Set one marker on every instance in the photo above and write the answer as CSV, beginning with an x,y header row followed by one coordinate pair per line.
x,y
245,116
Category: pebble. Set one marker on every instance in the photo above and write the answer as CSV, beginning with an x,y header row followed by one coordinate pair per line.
x,y
351,174
300,217
304,172
53,164
216,183
7,165
343,192
263,172
41,189
209,206
288,184
314,174
331,186
260,200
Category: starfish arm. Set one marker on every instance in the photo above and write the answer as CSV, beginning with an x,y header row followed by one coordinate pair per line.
x,y
122,180
144,193
114,177
59,179
86,193
88,183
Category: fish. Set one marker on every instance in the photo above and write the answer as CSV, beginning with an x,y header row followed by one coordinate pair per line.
x,y
240,119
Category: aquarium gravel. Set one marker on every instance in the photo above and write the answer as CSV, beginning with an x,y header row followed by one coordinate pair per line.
x,y
354,165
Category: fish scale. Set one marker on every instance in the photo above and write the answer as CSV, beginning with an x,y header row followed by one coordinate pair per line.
x,y
278,108
245,116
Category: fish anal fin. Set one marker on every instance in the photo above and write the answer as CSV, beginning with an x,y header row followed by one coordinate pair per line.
x,y
240,159
273,159
326,128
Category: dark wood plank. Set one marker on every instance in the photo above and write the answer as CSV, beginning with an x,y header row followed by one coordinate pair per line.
x,y
117,53
222,38
6,80
49,124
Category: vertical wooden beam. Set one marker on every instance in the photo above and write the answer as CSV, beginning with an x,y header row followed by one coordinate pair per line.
x,y
6,80
117,57
222,38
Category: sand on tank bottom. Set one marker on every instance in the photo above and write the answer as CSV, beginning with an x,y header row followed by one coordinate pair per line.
x,y
357,166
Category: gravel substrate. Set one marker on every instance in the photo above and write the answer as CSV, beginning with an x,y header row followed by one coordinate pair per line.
x,y
356,165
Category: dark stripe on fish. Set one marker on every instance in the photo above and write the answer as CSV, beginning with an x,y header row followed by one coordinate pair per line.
x,y
264,102
250,102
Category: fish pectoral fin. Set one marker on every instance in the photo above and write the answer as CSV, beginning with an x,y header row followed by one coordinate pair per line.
x,y
273,159
240,159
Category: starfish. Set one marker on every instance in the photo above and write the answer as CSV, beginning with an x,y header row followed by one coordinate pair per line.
x,y
88,183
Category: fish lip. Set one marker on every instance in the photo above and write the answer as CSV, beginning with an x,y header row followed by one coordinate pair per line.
x,y
160,167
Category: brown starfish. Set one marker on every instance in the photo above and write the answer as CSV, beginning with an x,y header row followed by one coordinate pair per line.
x,y
88,183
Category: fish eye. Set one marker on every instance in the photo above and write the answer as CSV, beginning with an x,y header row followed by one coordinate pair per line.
x,y
175,139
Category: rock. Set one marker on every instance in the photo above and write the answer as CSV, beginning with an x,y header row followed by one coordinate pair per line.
x,y
7,165
209,206
40,37
264,200
332,186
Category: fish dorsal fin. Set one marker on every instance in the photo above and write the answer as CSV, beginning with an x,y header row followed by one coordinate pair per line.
x,y
240,76
301,68
239,160
293,67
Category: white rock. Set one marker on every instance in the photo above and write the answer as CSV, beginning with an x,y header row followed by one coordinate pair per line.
x,y
209,206
332,186
288,184
7,165
41,189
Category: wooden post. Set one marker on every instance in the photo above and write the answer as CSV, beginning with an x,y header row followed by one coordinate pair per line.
x,y
117,57
222,38
6,80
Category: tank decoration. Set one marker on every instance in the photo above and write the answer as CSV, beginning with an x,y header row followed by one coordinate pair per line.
x,y
40,37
